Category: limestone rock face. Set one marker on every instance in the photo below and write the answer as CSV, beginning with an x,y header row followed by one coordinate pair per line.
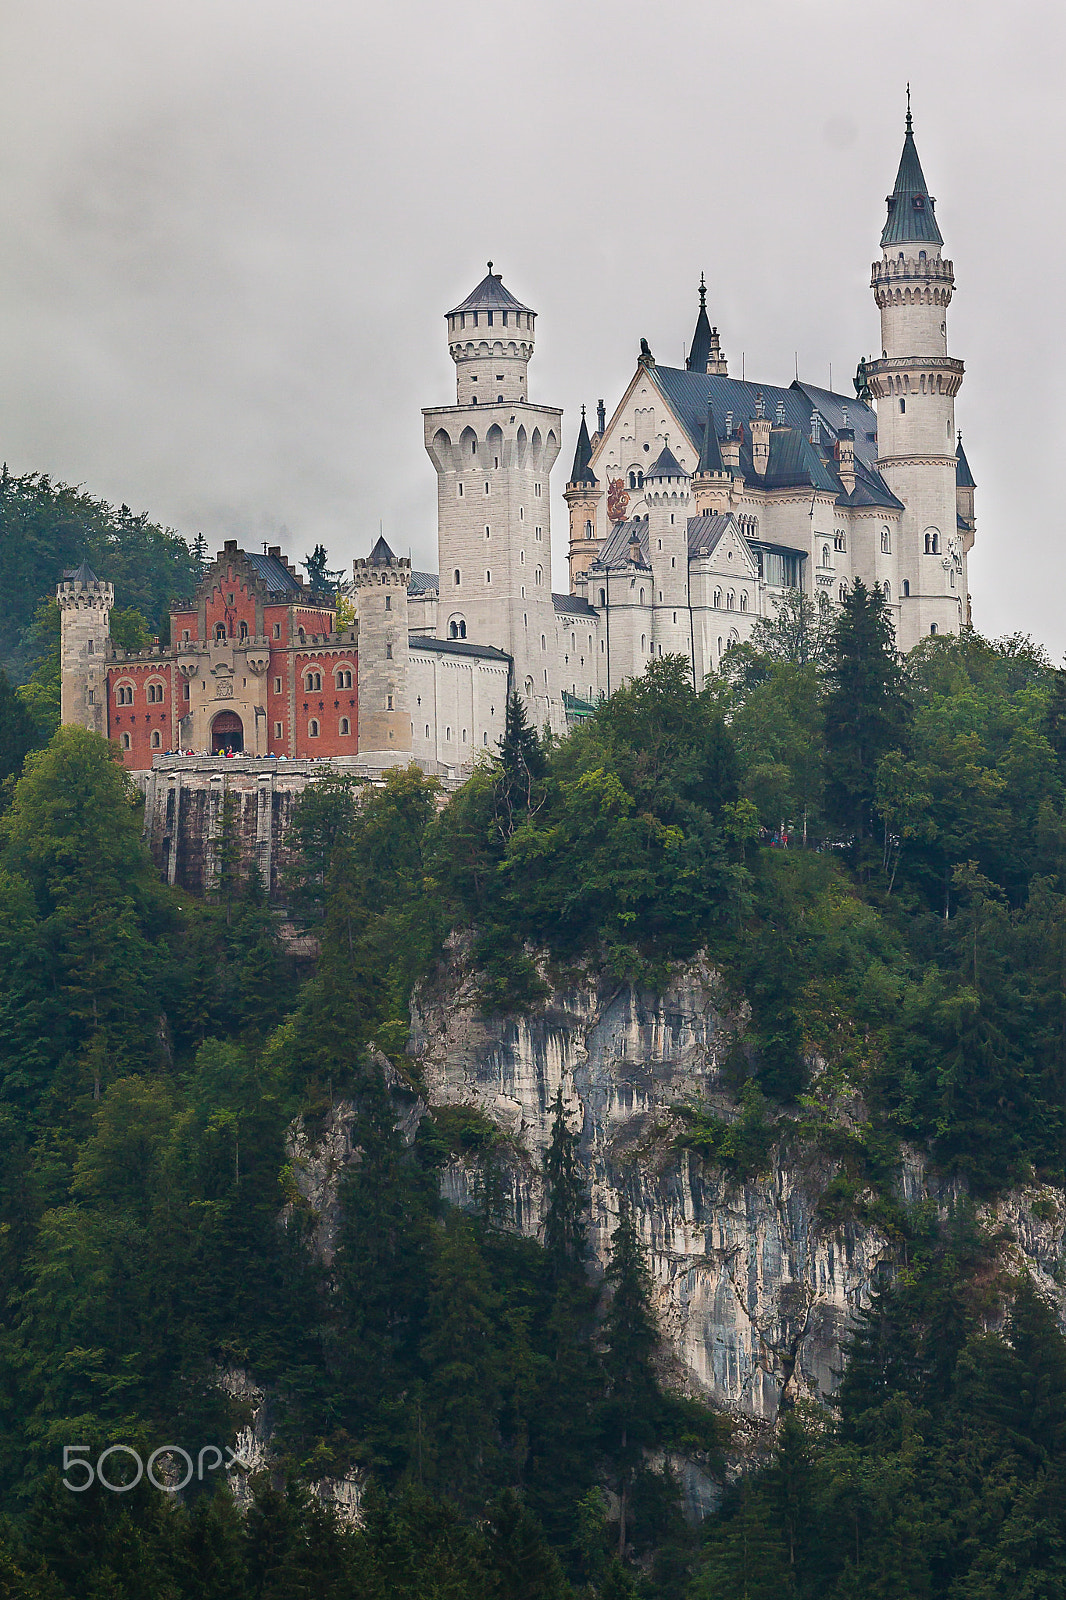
x,y
755,1291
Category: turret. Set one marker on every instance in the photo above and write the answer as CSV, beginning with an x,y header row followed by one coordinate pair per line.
x,y
711,484
914,384
705,353
384,709
84,617
490,339
583,496
964,492
666,495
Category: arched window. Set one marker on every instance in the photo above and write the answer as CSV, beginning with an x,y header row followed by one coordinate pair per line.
x,y
155,694
643,643
906,588
718,599
124,741
220,633
457,628
632,480
244,630
642,597
156,740
543,642
344,678
886,542
888,590
312,681
825,555
730,601
603,597
743,602
588,530
388,602
842,593
312,728
124,694
388,652
719,644
932,627
455,577
538,575
345,726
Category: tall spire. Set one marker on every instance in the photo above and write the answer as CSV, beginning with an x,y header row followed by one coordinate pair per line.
x,y
711,450
700,350
581,472
911,208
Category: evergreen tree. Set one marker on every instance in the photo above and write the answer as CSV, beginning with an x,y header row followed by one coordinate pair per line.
x,y
321,580
631,1338
866,710
18,733
520,769
200,560
564,1225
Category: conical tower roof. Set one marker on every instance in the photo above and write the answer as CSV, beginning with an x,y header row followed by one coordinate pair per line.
x,y
490,295
667,466
911,208
381,555
581,471
711,451
700,349
83,574
963,475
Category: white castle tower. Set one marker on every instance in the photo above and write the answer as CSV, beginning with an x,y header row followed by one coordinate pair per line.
x,y
666,494
493,452
84,616
915,383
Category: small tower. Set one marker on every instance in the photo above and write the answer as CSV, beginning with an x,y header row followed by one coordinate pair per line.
x,y
712,483
915,383
582,495
666,494
84,615
705,353
381,600
490,339
964,491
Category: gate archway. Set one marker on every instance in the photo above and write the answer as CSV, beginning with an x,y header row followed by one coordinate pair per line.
x,y
227,734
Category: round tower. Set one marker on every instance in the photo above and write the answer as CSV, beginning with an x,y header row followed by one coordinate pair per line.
x,y
84,617
384,708
583,495
666,495
490,339
914,384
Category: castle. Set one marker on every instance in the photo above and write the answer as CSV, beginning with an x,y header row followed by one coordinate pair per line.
x,y
693,508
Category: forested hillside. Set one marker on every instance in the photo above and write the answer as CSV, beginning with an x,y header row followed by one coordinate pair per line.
x,y
872,852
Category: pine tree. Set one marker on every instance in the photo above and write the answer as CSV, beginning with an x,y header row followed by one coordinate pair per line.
x,y
200,557
564,1226
321,580
521,767
866,710
631,1337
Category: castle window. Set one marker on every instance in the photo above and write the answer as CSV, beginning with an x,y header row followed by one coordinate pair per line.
x,y
719,644
277,630
455,577
388,652
953,577
632,480
229,599
427,730
155,694
536,490
932,542
473,442
388,601
743,602
543,642
731,601
448,732
220,633
156,739
302,636
718,599
842,593
124,694
838,542
460,487
124,741
186,692
490,319
344,677
244,630
588,530
643,643
313,680
92,697
486,488
642,597
538,575
888,590
388,702
488,575
539,533
906,588
932,627
603,597
185,635
312,728
903,405
886,542
90,648
277,730
464,735
825,555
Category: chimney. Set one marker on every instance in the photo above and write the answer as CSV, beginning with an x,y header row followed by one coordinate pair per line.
x,y
760,437
601,417
730,445
845,454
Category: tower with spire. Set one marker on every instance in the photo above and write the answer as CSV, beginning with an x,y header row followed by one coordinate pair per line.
x,y
705,352
583,495
493,452
914,383
84,616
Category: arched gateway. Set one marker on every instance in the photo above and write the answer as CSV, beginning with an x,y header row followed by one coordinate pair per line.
x,y
227,734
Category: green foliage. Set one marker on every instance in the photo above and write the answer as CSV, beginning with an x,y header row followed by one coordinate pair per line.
x,y
47,528
741,1147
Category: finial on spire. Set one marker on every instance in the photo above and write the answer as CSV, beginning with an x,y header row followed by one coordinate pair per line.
x,y
582,413
703,293
490,263
910,120
960,438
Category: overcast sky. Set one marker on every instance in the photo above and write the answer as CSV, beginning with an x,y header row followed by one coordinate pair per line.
x,y
231,228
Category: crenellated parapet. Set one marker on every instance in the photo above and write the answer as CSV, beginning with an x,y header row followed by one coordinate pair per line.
x,y
918,375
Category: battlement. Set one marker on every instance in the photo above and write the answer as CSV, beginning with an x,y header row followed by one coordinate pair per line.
x,y
922,267
73,592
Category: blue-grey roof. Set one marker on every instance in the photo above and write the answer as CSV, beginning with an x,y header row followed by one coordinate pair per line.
x,y
424,583
615,552
581,472
911,208
381,555
706,530
273,574
82,574
490,295
689,394
572,605
666,465
710,450
963,475
457,647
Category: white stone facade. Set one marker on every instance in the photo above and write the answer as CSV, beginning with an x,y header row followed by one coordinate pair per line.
x,y
693,508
